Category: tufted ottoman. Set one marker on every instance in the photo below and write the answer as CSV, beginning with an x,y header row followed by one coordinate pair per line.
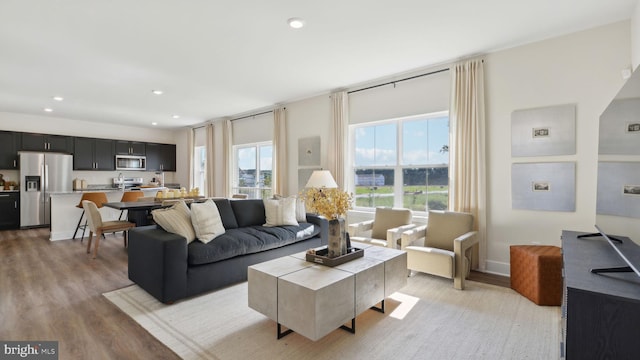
x,y
536,273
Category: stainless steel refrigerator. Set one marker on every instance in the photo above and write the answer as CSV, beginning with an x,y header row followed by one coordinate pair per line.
x,y
42,174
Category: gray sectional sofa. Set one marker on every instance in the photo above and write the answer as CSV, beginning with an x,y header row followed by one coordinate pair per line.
x,y
169,269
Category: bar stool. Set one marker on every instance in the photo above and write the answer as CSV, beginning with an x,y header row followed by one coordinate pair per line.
x,y
129,196
98,198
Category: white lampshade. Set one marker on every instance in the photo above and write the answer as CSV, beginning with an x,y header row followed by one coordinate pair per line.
x,y
321,178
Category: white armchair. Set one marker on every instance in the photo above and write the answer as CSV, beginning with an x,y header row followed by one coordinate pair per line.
x,y
385,229
442,247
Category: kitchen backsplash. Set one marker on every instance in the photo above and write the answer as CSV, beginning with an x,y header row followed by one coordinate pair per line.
x,y
96,177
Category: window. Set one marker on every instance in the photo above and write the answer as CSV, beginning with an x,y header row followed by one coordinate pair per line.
x,y
199,168
402,163
253,164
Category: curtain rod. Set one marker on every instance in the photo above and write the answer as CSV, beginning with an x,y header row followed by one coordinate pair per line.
x,y
248,116
397,81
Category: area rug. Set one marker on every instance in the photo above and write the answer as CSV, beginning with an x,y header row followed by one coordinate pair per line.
x,y
427,319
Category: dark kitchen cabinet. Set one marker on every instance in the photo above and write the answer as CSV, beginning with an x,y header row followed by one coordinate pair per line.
x,y
9,210
9,147
45,142
130,148
93,154
161,157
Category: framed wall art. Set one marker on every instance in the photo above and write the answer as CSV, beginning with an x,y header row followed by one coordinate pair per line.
x,y
543,186
309,151
618,189
620,128
544,131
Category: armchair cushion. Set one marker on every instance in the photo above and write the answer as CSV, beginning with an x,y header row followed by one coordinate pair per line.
x,y
444,226
387,218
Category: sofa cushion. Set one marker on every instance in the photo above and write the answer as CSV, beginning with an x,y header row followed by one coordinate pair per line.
x,y
249,212
206,221
248,240
279,212
226,213
176,219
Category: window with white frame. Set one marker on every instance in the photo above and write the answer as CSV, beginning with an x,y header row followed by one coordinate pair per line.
x,y
402,163
253,164
199,169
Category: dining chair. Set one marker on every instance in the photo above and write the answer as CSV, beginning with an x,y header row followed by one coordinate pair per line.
x,y
98,227
97,198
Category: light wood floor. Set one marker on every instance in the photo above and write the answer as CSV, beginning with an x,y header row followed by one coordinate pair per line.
x,y
53,291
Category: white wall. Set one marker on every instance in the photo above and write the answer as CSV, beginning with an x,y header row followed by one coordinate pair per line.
x,y
635,36
583,69
307,118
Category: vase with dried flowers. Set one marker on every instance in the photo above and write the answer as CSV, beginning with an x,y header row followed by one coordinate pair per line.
x,y
333,204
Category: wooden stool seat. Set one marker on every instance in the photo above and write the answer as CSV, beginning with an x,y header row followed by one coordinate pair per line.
x,y
97,198
536,273
129,196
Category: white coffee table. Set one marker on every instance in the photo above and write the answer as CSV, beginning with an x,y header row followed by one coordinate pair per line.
x,y
313,299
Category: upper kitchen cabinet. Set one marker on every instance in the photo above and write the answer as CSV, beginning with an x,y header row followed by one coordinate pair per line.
x,y
93,154
130,148
44,142
161,157
9,147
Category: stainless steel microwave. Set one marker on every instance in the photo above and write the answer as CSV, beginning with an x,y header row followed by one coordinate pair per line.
x,y
131,162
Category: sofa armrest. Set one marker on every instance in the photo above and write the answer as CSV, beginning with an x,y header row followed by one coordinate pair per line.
x,y
158,262
323,224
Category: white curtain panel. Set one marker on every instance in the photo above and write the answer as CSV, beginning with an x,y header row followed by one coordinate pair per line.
x,y
280,168
468,176
190,145
210,178
338,139
227,154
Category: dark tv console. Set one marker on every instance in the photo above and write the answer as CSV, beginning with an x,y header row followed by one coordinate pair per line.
x,y
600,312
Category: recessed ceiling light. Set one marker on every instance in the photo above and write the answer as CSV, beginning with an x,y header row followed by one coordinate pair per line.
x,y
48,109
157,92
175,116
295,23
58,98
154,123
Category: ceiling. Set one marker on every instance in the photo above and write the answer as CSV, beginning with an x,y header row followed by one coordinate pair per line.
x,y
214,59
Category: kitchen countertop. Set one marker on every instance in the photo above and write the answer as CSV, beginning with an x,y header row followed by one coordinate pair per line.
x,y
106,190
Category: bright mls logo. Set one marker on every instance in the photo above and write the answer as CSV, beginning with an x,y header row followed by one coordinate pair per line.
x,y
28,350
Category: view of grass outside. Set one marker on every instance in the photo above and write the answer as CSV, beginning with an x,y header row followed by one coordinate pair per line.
x,y
424,188
403,163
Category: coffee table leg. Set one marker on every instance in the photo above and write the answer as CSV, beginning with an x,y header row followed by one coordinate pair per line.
x,y
351,329
283,334
379,309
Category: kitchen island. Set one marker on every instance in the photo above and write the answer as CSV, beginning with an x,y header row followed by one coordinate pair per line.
x,y
65,213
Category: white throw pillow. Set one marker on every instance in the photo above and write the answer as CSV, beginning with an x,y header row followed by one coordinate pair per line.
x,y
176,220
280,212
206,221
301,210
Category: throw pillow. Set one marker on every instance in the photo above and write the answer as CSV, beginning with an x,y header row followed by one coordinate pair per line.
x,y
206,221
176,220
280,212
301,210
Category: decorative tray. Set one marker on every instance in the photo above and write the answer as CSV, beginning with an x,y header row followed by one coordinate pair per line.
x,y
320,256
